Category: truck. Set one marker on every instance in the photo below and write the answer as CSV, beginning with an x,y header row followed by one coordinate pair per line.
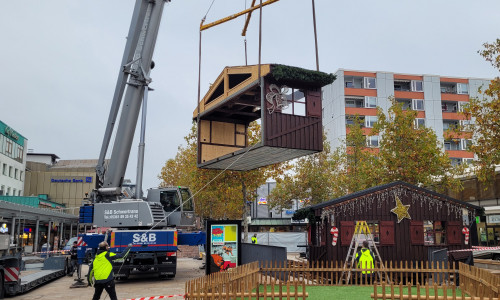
x,y
151,224
12,281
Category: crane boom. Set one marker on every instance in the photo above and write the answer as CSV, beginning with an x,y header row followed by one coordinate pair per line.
x,y
134,74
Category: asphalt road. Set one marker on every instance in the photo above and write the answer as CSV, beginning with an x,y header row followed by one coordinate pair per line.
x,y
148,285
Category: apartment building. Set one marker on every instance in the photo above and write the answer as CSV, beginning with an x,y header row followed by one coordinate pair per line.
x,y
438,100
12,161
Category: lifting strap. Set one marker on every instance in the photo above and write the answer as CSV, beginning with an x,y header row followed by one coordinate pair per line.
x,y
361,230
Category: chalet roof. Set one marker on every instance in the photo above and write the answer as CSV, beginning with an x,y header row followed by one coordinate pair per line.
x,y
388,186
235,89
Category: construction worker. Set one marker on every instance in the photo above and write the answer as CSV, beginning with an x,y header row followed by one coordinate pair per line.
x,y
74,258
364,261
254,238
101,273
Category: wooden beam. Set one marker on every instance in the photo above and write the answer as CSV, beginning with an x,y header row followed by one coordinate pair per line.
x,y
229,18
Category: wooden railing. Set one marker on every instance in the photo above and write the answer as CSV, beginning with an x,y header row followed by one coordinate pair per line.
x,y
244,282
419,292
479,282
330,273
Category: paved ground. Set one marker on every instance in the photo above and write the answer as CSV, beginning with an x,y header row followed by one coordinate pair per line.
x,y
144,286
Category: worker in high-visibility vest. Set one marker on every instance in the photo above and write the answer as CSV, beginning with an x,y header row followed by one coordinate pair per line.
x,y
364,261
254,238
101,273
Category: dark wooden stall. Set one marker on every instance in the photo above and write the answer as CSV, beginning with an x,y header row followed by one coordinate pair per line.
x,y
434,222
286,100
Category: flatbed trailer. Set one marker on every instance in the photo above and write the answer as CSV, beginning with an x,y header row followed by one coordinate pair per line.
x,y
12,281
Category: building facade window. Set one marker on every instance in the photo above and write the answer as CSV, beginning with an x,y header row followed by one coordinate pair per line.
x,y
465,144
4,169
462,88
370,102
10,171
370,83
370,121
419,123
372,141
417,86
417,104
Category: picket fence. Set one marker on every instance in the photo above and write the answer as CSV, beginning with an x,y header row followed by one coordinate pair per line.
x,y
288,280
244,282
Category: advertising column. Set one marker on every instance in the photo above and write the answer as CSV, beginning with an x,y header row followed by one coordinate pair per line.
x,y
223,245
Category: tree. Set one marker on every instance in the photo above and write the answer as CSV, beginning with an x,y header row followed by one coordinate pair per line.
x,y
310,180
218,193
485,112
411,154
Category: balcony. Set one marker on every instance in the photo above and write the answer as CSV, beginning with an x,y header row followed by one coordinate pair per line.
x,y
454,91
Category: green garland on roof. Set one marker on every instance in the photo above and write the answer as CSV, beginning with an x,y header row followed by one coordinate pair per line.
x,y
310,77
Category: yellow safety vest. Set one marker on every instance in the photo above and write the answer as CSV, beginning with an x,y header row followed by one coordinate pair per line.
x,y
102,267
365,261
254,240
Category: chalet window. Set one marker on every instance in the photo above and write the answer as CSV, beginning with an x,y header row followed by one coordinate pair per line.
x,y
435,232
387,233
374,230
296,103
346,232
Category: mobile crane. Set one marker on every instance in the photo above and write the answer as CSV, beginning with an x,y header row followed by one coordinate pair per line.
x,y
148,224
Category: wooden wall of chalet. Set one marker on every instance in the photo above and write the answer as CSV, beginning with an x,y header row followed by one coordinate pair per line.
x,y
293,131
407,240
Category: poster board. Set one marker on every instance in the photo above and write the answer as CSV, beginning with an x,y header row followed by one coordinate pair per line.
x,y
223,245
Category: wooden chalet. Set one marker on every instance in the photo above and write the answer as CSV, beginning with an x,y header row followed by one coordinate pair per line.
x,y
409,223
286,99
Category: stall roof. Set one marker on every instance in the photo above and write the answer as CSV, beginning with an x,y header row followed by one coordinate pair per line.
x,y
9,209
386,186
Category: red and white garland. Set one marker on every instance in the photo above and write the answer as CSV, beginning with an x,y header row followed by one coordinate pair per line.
x,y
335,232
466,232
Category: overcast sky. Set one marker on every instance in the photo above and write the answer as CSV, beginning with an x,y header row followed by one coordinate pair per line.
x,y
60,59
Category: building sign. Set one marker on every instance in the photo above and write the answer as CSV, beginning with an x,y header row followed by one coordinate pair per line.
x,y
71,179
223,245
493,219
262,201
11,134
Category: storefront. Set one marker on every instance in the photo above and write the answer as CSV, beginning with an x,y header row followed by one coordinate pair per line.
x,y
31,227
488,229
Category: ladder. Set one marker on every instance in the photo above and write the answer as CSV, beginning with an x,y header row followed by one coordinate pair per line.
x,y
350,261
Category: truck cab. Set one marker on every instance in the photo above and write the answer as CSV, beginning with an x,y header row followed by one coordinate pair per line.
x,y
177,203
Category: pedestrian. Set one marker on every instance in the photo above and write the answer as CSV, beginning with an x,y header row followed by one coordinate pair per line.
x,y
73,258
254,238
101,272
364,261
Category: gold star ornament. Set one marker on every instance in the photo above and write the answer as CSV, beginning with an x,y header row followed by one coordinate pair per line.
x,y
401,210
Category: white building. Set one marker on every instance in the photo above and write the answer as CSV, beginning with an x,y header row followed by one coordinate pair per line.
x,y
437,99
12,161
